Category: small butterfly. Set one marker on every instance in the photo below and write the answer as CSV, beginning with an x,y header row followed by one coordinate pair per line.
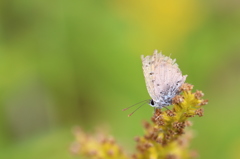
x,y
163,79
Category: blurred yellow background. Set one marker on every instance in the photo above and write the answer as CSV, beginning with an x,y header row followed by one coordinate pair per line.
x,y
66,63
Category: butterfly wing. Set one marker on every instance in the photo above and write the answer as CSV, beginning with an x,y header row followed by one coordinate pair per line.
x,y
162,76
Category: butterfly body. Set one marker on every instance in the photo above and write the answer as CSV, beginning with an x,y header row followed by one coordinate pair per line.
x,y
163,79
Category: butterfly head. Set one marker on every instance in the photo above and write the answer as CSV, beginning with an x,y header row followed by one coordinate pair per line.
x,y
154,104
160,104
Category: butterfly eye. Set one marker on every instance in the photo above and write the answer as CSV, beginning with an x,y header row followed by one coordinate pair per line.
x,y
152,102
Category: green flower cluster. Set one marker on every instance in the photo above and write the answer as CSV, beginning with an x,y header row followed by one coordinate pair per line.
x,y
165,137
98,146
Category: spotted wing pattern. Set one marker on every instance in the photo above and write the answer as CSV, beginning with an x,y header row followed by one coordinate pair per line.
x,y
163,78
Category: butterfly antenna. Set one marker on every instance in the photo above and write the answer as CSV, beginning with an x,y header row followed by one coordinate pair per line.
x,y
134,105
135,110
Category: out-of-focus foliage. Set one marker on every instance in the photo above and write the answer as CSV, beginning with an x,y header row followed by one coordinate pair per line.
x,y
66,63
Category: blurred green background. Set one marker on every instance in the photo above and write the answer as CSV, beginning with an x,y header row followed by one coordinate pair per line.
x,y
66,63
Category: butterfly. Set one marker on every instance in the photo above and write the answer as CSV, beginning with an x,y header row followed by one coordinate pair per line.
x,y
163,79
